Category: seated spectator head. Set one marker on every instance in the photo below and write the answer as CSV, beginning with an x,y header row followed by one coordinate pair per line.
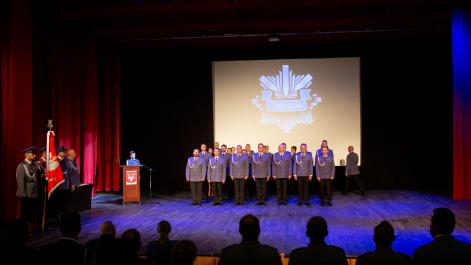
x,y
70,225
317,228
443,222
249,227
131,240
108,228
164,228
384,235
184,253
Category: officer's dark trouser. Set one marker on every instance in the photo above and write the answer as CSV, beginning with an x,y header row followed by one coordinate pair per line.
x,y
217,191
261,184
196,191
355,178
29,210
239,190
326,190
303,189
281,189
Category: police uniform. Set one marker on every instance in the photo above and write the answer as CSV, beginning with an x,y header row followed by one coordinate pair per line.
x,y
217,175
73,176
261,170
352,172
330,153
205,156
63,164
325,170
196,174
303,169
239,169
282,167
27,187
227,186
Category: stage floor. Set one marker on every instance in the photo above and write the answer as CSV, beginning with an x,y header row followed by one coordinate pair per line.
x,y
351,220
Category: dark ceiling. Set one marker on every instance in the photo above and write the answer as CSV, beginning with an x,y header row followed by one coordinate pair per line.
x,y
138,21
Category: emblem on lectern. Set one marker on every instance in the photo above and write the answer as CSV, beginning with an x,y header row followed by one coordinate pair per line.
x,y
131,177
286,99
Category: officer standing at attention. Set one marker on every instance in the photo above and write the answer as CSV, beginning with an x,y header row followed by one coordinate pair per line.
x,y
282,167
325,172
261,171
72,170
27,186
302,173
239,171
352,172
217,175
195,175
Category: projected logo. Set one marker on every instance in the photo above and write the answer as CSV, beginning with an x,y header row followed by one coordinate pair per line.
x,y
286,99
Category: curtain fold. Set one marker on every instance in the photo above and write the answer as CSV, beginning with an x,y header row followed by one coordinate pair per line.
x,y
461,56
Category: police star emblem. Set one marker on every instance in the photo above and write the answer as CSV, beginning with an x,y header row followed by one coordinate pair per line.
x,y
286,99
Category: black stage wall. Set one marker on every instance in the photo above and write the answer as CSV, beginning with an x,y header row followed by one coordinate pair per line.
x,y
406,98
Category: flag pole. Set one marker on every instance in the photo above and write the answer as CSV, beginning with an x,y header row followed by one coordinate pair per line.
x,y
48,159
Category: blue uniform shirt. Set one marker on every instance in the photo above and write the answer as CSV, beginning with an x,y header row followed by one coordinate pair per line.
x,y
133,162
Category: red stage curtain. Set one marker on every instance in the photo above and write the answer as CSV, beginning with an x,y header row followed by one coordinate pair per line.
x,y
74,84
16,95
82,86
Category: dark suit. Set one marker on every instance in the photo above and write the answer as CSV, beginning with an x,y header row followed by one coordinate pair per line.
x,y
250,252
65,251
320,254
384,257
159,251
443,250
105,250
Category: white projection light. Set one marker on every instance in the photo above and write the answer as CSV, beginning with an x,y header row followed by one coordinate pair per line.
x,y
286,99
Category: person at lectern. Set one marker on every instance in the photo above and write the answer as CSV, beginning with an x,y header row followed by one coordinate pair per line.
x,y
195,175
217,175
132,161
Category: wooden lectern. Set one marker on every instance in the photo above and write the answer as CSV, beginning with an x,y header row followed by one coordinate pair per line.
x,y
131,184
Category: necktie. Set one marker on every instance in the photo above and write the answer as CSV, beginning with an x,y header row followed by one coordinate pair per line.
x,y
260,155
217,158
304,155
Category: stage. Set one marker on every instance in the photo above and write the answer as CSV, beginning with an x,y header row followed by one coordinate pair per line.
x,y
351,220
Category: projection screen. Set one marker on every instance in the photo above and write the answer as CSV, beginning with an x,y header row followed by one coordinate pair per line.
x,y
292,101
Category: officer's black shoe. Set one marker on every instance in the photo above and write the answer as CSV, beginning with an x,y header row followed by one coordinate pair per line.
x,y
344,193
329,203
280,203
299,204
307,204
322,204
